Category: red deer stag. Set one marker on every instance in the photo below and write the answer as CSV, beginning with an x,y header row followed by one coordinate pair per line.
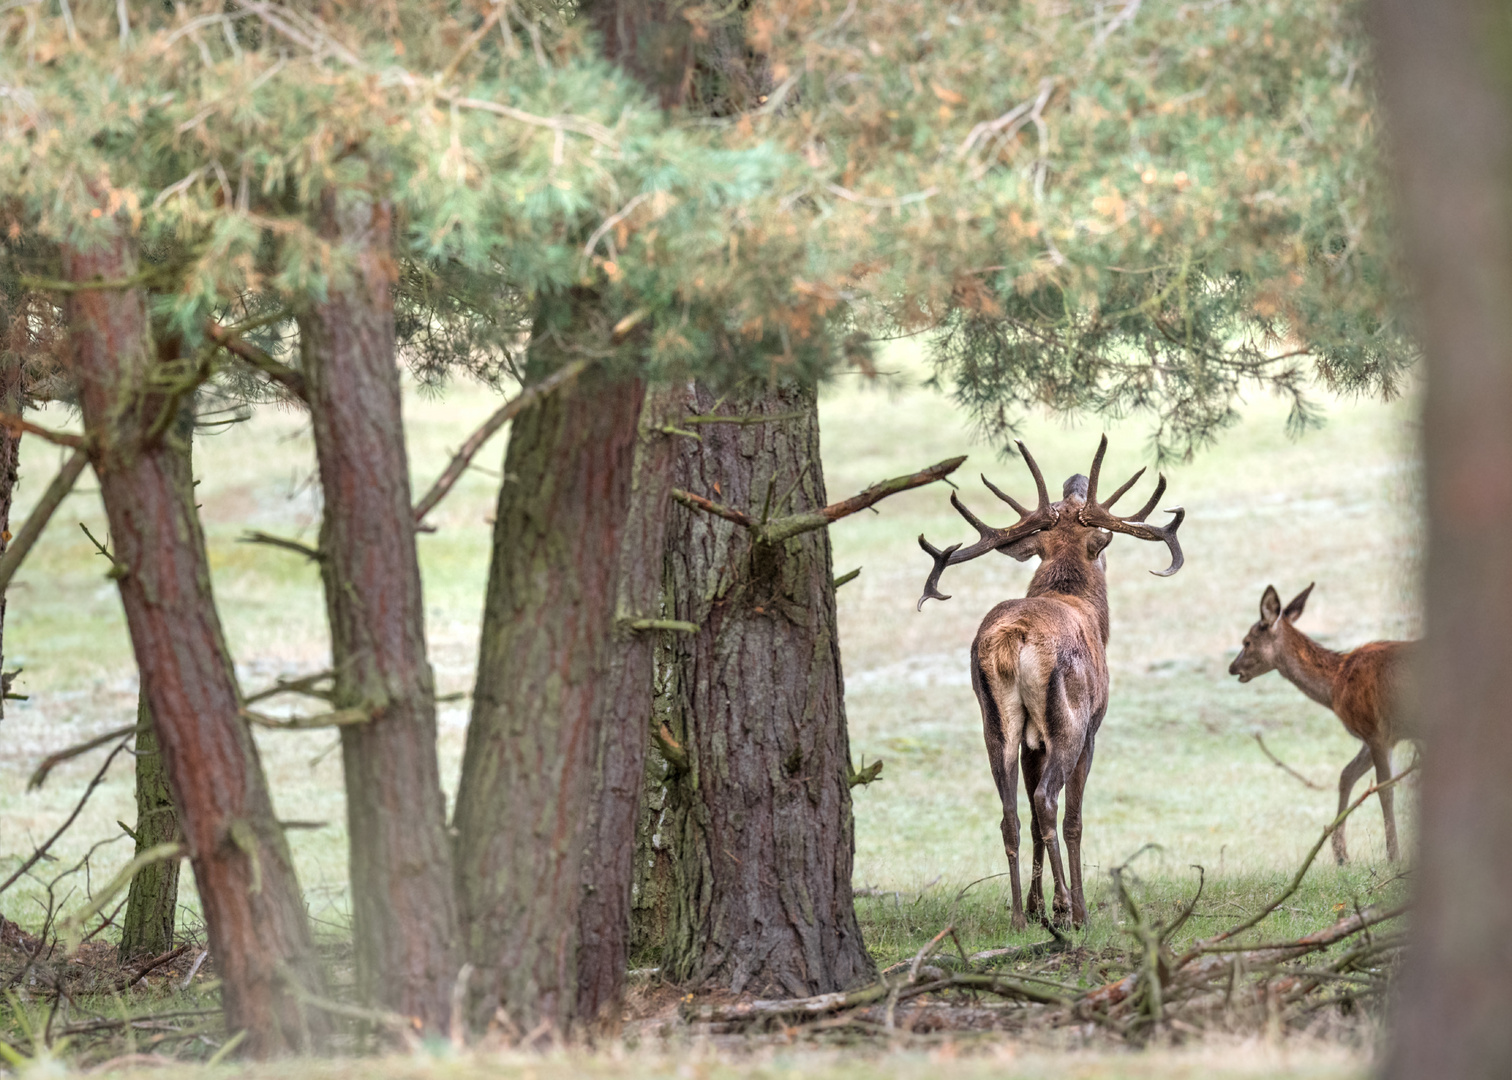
x,y
1039,665
1362,688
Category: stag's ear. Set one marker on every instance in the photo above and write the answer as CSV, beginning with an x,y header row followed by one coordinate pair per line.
x,y
1293,610
1096,541
1025,549
1270,606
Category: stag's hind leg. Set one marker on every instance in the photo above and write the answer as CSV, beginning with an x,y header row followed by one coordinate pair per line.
x,y
1347,780
1076,787
1033,763
1002,728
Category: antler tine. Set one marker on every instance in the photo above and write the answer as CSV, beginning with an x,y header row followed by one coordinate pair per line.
x,y
1144,511
1007,498
941,561
1034,470
1123,490
977,523
1097,460
1168,534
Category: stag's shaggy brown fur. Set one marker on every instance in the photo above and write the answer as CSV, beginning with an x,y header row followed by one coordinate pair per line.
x,y
1363,688
1039,666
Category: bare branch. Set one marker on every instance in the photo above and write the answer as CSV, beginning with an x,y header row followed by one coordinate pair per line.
x,y
338,718
52,761
1284,767
256,537
37,520
507,412
709,506
796,524
61,438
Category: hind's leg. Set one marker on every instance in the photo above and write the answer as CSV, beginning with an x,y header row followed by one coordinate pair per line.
x,y
1381,755
1347,780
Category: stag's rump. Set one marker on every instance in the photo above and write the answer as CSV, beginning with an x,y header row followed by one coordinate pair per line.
x,y
1026,650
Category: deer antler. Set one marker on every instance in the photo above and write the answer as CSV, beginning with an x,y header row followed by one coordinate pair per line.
x,y
1030,521
1100,516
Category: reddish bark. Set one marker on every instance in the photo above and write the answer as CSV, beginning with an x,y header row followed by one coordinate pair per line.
x,y
545,684
253,909
403,908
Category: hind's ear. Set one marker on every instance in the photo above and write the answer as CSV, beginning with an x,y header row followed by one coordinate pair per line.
x,y
1293,610
1270,606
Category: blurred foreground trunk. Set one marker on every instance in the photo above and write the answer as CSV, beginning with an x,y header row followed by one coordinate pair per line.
x,y
253,908
756,821
404,914
1446,72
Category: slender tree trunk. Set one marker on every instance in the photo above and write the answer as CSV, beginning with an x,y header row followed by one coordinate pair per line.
x,y
546,680
12,400
403,906
253,908
1444,71
152,903
759,810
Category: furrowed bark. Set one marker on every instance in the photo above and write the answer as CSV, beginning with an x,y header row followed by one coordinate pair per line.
x,y
253,909
1443,71
152,903
403,906
12,399
523,820
609,871
759,821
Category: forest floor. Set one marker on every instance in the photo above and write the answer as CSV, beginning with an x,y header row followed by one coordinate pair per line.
x,y
1177,765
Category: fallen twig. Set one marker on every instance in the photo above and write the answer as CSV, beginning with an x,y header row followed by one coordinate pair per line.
x,y
1284,767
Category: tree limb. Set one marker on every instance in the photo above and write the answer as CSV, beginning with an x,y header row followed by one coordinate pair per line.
x,y
61,438
52,761
233,343
507,412
338,718
256,537
37,520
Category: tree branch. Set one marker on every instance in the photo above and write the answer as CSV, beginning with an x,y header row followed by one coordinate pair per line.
x,y
232,342
52,761
255,537
20,426
507,412
339,718
709,506
37,520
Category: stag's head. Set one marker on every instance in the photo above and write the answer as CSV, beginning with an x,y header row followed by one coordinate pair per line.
x,y
1263,644
1074,531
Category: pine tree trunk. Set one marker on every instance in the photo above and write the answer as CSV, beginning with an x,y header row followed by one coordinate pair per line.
x,y
403,905
253,909
12,400
545,689
759,819
152,903
1444,76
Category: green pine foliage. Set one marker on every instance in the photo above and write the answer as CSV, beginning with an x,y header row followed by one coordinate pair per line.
x,y
1139,207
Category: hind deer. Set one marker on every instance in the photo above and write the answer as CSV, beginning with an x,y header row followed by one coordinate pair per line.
x,y
1039,665
1361,686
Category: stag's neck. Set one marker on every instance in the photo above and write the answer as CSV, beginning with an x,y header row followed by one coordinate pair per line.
x,y
1309,666
1075,578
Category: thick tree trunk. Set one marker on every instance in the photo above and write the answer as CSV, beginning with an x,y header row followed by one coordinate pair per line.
x,y
758,820
623,730
1444,72
253,908
404,912
545,689
152,903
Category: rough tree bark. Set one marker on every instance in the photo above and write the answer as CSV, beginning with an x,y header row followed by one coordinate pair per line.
x,y
1444,72
545,688
253,909
404,911
758,819
12,400
152,902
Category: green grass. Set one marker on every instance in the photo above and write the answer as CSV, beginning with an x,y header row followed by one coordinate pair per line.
x,y
1176,765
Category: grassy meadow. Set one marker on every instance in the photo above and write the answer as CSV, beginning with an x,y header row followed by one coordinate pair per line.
x,y
1176,762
